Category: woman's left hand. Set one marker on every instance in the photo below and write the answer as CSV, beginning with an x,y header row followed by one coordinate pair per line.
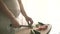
x,y
29,20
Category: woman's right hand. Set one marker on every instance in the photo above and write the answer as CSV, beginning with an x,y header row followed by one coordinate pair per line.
x,y
15,23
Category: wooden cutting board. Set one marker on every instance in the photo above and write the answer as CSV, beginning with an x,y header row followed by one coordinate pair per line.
x,y
26,30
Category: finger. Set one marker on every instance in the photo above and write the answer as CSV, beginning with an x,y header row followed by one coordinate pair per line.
x,y
28,22
31,21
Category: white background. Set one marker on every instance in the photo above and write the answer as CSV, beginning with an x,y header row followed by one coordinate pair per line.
x,y
46,11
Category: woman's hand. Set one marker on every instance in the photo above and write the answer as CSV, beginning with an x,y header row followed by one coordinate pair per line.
x,y
29,20
15,23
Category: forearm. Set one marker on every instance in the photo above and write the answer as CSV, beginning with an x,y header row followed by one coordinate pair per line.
x,y
22,9
5,10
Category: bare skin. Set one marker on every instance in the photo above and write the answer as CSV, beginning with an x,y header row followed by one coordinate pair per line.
x,y
11,16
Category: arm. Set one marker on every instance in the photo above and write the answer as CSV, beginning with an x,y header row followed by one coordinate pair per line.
x,y
28,19
22,9
5,10
8,13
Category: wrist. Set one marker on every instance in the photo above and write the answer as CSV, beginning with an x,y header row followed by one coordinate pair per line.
x,y
25,16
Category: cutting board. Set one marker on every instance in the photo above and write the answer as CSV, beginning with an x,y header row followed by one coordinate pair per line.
x,y
26,30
